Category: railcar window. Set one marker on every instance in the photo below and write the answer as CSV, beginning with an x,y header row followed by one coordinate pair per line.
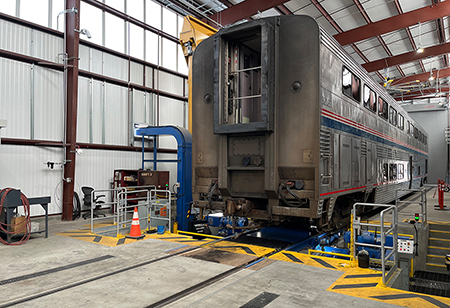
x,y
425,140
351,85
400,171
416,133
401,122
393,116
411,130
385,172
370,99
392,172
382,108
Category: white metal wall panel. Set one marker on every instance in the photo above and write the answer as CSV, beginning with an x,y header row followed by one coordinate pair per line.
x,y
97,61
170,83
98,102
15,89
137,73
15,38
149,77
171,112
116,115
95,168
84,63
115,67
139,107
48,104
25,168
84,109
46,46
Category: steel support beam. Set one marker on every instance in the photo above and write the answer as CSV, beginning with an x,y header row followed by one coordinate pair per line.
x,y
408,32
72,45
407,57
244,10
325,14
420,94
442,73
387,25
380,39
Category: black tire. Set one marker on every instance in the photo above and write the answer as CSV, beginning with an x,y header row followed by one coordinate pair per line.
x,y
76,206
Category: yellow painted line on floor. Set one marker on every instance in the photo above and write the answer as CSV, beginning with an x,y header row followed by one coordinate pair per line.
x,y
436,256
438,239
435,264
247,249
436,222
363,283
366,283
311,260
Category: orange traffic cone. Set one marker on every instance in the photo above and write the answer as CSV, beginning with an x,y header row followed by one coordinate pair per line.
x,y
135,231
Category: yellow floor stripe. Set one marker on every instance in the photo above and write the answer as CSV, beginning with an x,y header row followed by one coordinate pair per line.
x,y
363,283
311,260
247,249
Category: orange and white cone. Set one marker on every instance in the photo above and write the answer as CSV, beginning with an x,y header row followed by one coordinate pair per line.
x,y
135,231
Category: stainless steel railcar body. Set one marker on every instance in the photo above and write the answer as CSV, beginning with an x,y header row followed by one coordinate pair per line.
x,y
279,132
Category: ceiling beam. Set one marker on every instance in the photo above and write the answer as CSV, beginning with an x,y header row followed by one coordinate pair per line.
x,y
445,72
244,10
283,10
420,94
401,21
408,32
407,57
327,16
380,39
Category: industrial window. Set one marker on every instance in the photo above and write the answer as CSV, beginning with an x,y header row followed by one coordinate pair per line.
x,y
385,172
246,67
400,171
351,85
370,99
383,108
392,172
401,122
393,116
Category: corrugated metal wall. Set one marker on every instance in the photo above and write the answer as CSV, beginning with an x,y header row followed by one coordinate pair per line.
x,y
32,102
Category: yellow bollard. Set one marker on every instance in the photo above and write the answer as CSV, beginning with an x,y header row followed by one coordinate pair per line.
x,y
175,228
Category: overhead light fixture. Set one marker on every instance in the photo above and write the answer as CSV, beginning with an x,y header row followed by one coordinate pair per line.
x,y
419,48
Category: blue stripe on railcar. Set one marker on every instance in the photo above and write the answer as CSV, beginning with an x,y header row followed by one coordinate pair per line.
x,y
358,132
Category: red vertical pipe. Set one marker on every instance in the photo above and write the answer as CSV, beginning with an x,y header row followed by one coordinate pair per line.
x,y
72,50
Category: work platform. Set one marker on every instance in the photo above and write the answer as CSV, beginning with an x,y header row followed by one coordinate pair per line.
x,y
78,268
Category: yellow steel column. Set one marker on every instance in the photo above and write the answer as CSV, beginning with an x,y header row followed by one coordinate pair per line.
x,y
193,33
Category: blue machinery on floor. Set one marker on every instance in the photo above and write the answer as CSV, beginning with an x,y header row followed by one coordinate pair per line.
x,y
184,165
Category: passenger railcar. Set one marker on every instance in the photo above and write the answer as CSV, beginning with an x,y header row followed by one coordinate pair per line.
x,y
287,126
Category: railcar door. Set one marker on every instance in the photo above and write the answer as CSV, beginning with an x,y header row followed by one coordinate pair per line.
x,y
356,162
345,170
370,167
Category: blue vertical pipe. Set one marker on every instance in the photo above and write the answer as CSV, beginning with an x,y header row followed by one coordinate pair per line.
x,y
184,166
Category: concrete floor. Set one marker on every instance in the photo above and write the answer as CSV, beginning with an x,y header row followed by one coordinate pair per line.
x,y
292,285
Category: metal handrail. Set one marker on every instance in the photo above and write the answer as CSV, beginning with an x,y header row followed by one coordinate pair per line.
x,y
356,223
154,201
422,202
123,206
113,203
